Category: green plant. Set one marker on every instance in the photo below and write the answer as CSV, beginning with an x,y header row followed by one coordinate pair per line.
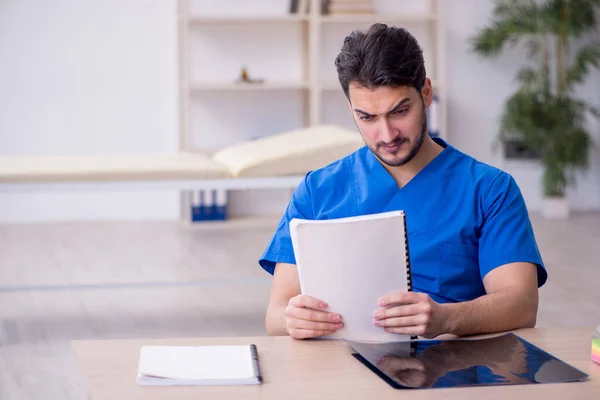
x,y
543,112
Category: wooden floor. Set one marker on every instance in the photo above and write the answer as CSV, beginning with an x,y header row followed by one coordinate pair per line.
x,y
135,280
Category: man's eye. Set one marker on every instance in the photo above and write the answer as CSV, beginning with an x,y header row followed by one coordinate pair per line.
x,y
400,112
366,118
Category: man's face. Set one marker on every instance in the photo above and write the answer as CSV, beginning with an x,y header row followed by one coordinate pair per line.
x,y
392,121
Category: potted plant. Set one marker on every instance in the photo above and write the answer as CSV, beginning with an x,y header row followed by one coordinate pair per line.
x,y
543,113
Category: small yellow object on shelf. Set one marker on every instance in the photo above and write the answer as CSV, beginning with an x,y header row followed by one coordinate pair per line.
x,y
245,77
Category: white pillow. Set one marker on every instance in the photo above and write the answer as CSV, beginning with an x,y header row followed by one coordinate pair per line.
x,y
290,153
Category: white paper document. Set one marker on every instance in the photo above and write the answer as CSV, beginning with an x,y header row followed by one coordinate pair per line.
x,y
198,365
350,263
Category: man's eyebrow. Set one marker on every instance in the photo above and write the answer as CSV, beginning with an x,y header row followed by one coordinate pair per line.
x,y
396,107
400,104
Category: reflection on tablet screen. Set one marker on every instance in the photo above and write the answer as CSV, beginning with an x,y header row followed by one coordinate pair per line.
x,y
501,360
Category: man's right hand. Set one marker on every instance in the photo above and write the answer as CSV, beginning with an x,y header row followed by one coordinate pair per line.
x,y
305,318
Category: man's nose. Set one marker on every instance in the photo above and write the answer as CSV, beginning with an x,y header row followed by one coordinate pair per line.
x,y
386,132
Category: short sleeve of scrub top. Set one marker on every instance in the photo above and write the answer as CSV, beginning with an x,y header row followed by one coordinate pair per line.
x,y
506,234
280,247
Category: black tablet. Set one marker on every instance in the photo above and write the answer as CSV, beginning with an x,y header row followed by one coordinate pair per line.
x,y
502,360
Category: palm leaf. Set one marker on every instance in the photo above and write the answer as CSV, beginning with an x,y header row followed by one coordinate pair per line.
x,y
534,47
594,111
580,15
511,20
588,56
530,77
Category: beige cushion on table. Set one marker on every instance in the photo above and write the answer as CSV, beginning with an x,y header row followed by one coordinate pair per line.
x,y
15,169
290,153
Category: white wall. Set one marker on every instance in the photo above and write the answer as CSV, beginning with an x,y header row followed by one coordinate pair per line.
x,y
87,77
99,77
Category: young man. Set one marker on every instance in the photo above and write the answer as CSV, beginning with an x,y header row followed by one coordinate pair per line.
x,y
476,266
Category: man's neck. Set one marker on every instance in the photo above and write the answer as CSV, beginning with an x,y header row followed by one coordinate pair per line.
x,y
404,173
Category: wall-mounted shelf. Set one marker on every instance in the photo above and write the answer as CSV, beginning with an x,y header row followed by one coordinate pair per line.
x,y
247,87
243,19
373,18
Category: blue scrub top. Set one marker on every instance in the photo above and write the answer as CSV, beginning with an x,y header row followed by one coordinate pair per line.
x,y
464,218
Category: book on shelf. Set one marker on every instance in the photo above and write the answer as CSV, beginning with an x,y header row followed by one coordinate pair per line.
x,y
303,6
299,7
337,7
209,205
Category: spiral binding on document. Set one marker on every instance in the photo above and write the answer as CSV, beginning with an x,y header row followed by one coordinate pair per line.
x,y
408,270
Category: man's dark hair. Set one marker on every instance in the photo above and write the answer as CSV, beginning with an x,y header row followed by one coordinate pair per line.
x,y
382,56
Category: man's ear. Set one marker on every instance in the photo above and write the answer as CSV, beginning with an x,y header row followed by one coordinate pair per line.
x,y
427,92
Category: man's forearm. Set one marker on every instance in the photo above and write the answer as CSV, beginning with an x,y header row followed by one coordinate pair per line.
x,y
275,321
500,311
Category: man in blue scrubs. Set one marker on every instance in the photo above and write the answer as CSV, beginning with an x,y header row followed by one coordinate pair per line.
x,y
476,266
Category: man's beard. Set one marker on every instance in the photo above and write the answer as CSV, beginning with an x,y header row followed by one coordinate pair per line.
x,y
414,148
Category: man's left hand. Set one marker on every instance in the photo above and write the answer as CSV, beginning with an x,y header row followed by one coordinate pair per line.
x,y
411,313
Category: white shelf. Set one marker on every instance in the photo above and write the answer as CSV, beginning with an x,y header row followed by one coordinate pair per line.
x,y
331,19
247,87
244,19
372,18
236,222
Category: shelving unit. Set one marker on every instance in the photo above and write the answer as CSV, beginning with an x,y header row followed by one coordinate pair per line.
x,y
299,75
373,18
241,19
243,87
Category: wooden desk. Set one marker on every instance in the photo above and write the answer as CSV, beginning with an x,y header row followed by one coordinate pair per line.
x,y
321,370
